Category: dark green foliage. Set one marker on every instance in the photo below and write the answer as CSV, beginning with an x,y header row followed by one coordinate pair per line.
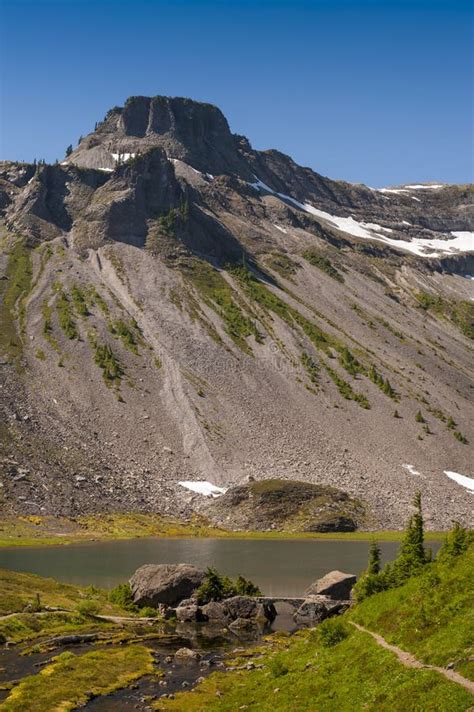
x,y
222,299
79,301
451,424
65,316
310,366
459,436
345,389
323,263
349,362
333,631
284,265
168,225
69,150
382,383
419,417
217,587
105,358
457,542
411,559
121,595
374,558
461,313
244,587
123,331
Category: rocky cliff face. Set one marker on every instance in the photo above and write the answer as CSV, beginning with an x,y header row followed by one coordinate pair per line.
x,y
178,307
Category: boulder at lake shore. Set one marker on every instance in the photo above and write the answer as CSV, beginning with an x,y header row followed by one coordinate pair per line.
x,y
335,585
155,584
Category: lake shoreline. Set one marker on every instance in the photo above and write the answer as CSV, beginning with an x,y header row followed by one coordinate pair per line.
x,y
33,531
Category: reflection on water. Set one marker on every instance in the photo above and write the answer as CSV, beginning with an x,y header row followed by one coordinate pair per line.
x,y
279,568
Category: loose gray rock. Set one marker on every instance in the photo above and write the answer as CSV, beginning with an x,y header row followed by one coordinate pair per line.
x,y
154,584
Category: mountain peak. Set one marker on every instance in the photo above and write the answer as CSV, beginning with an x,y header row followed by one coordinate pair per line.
x,y
192,131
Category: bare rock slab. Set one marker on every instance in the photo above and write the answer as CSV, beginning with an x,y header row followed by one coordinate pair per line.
x,y
335,585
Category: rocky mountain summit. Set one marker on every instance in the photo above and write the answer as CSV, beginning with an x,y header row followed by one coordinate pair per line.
x,y
182,313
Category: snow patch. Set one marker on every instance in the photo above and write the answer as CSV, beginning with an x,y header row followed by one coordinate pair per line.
x,y
204,487
461,242
467,482
122,156
279,227
418,186
411,469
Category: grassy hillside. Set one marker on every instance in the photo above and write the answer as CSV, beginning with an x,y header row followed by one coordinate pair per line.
x,y
336,667
432,615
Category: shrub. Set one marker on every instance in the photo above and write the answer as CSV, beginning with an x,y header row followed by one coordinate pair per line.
x,y
105,358
311,367
323,263
65,316
333,631
80,304
419,417
459,436
277,668
216,587
244,587
121,595
88,608
457,542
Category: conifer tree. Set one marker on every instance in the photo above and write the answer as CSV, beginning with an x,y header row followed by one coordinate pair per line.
x,y
374,558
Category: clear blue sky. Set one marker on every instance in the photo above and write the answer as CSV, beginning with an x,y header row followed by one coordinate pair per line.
x,y
372,91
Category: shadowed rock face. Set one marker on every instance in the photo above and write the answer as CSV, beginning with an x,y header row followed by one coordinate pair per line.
x,y
335,585
177,306
187,130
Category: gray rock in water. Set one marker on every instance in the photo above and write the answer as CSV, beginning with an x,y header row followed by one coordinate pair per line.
x,y
312,611
215,612
241,607
336,585
154,584
187,655
245,627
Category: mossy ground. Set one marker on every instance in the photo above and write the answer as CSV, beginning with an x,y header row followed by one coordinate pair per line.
x,y
71,680
27,600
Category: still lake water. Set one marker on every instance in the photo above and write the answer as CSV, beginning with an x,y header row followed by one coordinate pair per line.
x,y
279,568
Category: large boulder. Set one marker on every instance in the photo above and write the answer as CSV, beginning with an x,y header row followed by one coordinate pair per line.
x,y
155,584
336,585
